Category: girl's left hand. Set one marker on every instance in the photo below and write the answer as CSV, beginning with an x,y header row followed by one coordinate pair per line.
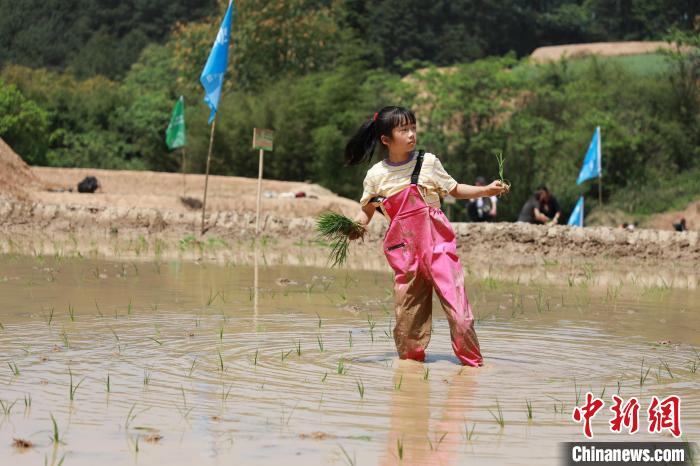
x,y
496,188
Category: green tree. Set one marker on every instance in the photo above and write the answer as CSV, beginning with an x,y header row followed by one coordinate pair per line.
x,y
23,124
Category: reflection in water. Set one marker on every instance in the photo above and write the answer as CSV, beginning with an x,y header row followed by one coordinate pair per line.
x,y
256,285
411,439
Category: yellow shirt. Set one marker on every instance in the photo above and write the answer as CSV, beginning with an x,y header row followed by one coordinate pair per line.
x,y
385,179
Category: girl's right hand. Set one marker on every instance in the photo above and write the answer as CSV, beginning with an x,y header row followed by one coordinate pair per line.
x,y
358,235
496,188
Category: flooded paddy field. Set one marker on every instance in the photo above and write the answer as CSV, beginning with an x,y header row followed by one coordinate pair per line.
x,y
145,362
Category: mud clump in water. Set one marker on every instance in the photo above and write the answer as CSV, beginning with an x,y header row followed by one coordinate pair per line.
x,y
22,444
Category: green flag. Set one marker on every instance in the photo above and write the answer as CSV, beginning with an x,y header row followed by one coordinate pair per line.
x,y
175,134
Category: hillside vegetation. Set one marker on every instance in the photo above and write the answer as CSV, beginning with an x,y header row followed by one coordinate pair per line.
x,y
313,70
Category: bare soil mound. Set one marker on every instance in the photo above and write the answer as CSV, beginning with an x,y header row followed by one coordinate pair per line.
x,y
16,177
134,190
604,49
665,221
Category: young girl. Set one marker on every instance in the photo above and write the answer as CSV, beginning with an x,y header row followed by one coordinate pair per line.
x,y
419,244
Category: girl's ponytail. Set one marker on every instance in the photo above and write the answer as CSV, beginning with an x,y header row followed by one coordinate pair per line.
x,y
360,148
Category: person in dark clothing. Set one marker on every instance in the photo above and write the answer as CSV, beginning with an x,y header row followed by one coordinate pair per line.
x,y
530,210
482,209
680,226
541,208
549,206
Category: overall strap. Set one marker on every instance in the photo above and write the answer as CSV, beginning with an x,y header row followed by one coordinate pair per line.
x,y
416,170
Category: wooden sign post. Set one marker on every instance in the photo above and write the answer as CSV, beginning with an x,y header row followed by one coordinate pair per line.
x,y
262,140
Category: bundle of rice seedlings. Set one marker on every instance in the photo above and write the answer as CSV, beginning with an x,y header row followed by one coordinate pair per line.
x,y
338,229
501,162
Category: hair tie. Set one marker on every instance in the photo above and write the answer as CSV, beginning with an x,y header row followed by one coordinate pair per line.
x,y
374,118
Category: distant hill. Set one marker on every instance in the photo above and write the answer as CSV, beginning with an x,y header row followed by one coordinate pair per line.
x,y
89,36
104,37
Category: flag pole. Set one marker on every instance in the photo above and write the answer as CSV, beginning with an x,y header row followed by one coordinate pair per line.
x,y
206,178
184,181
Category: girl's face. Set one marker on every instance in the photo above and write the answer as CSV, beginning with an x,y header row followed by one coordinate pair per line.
x,y
403,138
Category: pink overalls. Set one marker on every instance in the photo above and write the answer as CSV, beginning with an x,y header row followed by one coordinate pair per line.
x,y
420,246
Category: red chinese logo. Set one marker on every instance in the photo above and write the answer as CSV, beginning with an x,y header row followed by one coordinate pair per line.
x,y
625,416
665,414
587,412
661,415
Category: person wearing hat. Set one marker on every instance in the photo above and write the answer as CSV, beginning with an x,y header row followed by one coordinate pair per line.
x,y
482,209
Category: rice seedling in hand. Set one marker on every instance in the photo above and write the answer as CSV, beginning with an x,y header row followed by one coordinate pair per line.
x,y
501,162
338,230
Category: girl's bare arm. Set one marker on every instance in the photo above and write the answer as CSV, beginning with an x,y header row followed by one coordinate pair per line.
x,y
467,191
364,217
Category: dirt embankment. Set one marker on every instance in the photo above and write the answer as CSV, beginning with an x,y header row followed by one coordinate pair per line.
x,y
16,177
603,49
138,203
36,205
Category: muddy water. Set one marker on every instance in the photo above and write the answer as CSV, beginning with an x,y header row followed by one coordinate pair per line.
x,y
203,369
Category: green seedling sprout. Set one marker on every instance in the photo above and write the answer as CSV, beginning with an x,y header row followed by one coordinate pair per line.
x,y
501,163
361,388
499,418
73,388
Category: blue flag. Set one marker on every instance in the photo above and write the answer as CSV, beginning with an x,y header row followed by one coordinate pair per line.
x,y
212,77
576,219
592,162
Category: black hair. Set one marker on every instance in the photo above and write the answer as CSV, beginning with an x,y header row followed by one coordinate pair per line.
x,y
540,192
360,148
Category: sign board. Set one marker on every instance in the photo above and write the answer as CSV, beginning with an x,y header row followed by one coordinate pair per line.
x,y
262,139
